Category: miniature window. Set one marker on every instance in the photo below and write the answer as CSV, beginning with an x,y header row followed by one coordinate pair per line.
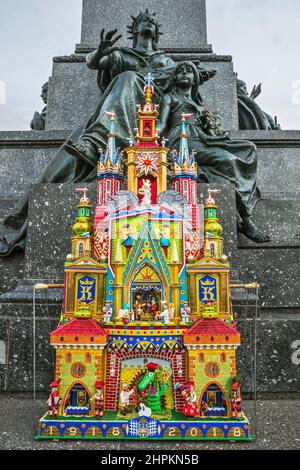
x,y
185,188
92,338
147,129
80,249
223,357
177,186
212,250
69,357
201,357
108,187
88,358
100,193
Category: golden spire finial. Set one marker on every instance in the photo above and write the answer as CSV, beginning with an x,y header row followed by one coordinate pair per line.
x,y
210,200
84,200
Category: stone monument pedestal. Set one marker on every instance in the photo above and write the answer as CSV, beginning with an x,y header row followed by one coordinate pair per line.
x,y
23,155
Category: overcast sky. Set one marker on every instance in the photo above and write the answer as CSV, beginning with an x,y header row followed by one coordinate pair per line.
x,y
262,36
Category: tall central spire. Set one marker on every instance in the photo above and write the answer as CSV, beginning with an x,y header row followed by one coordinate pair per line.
x,y
147,134
147,160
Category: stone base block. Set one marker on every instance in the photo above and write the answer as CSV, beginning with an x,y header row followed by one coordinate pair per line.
x,y
278,350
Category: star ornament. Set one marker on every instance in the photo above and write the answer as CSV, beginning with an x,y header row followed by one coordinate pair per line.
x,y
147,163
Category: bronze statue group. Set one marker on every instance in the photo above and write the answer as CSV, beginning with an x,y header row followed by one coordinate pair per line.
x,y
121,72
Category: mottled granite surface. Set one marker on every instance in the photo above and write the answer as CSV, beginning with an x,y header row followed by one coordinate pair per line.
x,y
111,14
278,356
52,214
277,271
23,156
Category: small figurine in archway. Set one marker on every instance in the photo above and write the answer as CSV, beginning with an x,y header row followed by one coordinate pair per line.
x,y
107,311
190,398
145,192
154,308
125,395
139,312
98,399
204,407
185,312
54,399
124,314
171,311
164,312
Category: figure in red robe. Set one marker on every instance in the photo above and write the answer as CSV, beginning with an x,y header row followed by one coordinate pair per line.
x,y
54,399
188,392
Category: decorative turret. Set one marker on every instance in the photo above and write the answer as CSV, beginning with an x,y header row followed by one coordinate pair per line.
x,y
83,228
147,134
84,276
83,311
147,161
213,241
184,165
109,172
184,172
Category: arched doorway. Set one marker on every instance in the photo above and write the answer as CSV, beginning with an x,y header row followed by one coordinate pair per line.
x,y
146,293
213,401
133,371
77,400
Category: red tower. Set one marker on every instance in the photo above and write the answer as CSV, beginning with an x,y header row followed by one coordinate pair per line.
x,y
185,174
109,176
147,159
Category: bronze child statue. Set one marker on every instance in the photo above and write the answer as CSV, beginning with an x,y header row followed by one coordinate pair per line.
x,y
220,159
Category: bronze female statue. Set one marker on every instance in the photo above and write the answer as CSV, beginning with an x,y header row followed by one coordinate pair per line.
x,y
121,79
219,158
121,73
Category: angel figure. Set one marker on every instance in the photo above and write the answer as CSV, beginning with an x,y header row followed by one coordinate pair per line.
x,y
145,192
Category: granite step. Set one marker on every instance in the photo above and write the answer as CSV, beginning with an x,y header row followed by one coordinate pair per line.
x,y
278,349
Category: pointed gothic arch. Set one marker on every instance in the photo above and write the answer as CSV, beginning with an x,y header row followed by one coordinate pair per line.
x,y
148,282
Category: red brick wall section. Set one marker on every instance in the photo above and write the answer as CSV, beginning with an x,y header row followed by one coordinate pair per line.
x,y
181,379
112,383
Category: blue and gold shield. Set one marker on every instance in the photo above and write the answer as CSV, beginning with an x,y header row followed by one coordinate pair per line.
x,y
207,289
86,289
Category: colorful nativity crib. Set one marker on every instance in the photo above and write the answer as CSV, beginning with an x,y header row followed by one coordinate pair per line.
x,y
146,342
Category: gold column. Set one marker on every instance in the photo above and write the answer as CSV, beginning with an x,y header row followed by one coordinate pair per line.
x,y
118,287
175,291
162,176
192,289
132,178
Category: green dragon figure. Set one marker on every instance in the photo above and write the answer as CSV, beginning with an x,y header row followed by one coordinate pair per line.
x,y
156,390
